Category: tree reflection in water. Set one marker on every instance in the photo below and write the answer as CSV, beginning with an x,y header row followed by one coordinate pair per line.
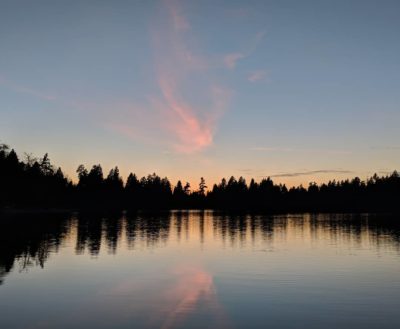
x,y
29,240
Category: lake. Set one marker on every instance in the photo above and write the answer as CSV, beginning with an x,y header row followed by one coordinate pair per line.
x,y
200,269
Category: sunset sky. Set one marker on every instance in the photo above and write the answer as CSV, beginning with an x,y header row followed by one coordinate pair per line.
x,y
297,90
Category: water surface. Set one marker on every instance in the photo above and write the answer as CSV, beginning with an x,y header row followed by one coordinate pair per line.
x,y
197,269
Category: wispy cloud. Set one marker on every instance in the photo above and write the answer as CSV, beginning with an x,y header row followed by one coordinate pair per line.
x,y
183,113
261,173
245,170
190,131
251,173
187,122
312,172
257,75
230,60
178,17
191,124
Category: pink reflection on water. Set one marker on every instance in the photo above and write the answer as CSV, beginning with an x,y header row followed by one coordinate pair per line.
x,y
194,288
176,298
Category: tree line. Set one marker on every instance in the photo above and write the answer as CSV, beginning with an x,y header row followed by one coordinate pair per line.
x,y
36,183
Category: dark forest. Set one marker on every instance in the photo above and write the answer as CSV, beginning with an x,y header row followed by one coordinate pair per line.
x,y
34,183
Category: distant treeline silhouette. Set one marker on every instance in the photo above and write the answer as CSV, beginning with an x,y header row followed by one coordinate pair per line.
x,y
36,183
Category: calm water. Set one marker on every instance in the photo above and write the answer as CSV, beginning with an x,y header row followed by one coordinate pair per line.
x,y
200,270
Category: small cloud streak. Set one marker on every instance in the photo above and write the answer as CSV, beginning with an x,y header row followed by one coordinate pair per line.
x,y
230,60
257,172
249,171
312,172
257,76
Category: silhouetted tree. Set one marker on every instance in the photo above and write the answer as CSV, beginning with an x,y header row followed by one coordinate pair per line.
x,y
187,188
45,166
37,183
202,186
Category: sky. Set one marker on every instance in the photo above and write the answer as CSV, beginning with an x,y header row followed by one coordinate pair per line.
x,y
300,91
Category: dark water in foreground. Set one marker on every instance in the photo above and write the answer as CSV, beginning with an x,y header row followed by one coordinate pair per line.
x,y
200,270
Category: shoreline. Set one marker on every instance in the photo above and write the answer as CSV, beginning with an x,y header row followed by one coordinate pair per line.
x,y
72,211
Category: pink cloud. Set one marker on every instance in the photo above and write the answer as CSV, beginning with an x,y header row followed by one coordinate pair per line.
x,y
180,21
230,60
192,133
191,124
175,117
184,113
256,76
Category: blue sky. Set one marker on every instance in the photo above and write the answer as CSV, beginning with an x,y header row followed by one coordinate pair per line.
x,y
299,90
